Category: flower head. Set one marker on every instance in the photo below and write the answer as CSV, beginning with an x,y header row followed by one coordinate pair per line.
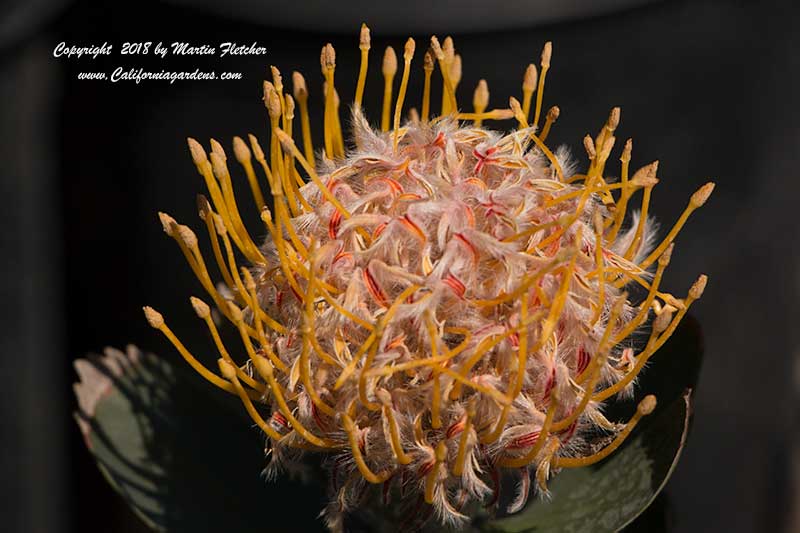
x,y
435,300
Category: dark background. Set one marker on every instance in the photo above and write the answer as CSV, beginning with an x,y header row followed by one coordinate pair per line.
x,y
708,88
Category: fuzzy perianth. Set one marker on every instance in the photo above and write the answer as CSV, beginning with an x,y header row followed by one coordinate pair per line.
x,y
435,301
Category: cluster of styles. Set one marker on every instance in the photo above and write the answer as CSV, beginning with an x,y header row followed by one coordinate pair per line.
x,y
435,301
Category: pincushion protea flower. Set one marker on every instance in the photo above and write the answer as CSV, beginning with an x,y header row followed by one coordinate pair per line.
x,y
438,301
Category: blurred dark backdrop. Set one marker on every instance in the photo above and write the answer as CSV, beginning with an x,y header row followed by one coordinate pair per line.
x,y
708,88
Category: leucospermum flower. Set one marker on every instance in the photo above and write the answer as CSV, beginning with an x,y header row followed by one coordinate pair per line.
x,y
434,301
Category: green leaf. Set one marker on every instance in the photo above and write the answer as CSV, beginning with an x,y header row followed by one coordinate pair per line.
x,y
185,460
